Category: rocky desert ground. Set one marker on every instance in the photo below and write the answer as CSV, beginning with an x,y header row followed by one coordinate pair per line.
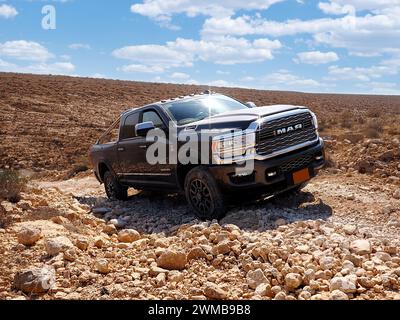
x,y
338,239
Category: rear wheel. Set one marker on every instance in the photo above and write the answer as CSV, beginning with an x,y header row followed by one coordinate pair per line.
x,y
203,194
114,190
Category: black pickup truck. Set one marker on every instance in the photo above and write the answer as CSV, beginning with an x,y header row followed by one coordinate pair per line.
x,y
240,148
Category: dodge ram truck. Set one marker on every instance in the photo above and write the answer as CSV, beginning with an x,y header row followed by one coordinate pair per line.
x,y
284,153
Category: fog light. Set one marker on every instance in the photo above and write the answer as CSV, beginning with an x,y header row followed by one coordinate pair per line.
x,y
319,158
271,174
243,174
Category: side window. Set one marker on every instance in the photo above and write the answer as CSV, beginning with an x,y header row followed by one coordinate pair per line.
x,y
128,129
111,135
154,117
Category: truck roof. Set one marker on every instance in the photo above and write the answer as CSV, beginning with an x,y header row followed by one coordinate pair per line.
x,y
180,98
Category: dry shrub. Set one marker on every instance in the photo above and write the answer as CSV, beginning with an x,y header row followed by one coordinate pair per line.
x,y
330,161
393,127
371,133
81,164
374,129
346,120
394,131
361,120
374,113
11,185
322,125
347,123
4,219
77,168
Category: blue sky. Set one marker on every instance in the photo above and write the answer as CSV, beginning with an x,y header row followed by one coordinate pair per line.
x,y
344,46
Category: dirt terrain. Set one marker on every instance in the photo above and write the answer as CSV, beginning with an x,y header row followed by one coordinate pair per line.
x,y
337,239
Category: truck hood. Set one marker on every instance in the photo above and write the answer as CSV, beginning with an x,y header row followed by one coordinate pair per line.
x,y
239,119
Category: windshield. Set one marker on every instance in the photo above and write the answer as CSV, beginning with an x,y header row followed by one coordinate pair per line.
x,y
188,111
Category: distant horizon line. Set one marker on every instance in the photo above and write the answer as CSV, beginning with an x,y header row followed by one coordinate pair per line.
x,y
196,85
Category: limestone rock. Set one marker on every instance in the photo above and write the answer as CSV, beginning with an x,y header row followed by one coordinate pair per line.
x,y
255,278
213,291
109,229
360,247
196,253
350,229
28,236
58,244
293,280
82,243
102,266
343,284
338,295
128,236
172,260
35,280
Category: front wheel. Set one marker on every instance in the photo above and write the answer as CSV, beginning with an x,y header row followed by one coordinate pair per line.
x,y
114,190
203,194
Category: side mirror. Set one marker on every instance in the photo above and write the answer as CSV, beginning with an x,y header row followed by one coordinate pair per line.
x,y
251,104
143,128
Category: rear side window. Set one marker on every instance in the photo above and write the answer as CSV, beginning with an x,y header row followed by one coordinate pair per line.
x,y
154,117
128,129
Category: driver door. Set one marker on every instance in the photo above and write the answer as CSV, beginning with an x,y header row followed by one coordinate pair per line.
x,y
133,153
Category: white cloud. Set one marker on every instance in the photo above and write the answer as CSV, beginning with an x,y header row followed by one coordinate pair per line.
x,y
98,76
385,88
192,82
285,80
36,56
162,10
359,5
187,81
385,68
228,50
336,8
61,68
184,52
220,83
140,68
371,34
316,57
179,75
24,50
154,55
4,65
7,11
78,46
52,68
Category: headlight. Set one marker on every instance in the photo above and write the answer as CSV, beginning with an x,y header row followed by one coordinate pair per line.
x,y
232,146
315,120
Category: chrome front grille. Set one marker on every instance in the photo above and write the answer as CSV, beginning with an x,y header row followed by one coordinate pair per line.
x,y
268,142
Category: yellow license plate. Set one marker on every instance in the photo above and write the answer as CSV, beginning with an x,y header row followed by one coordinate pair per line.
x,y
301,176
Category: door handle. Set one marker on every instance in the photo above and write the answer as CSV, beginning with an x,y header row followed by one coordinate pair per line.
x,y
143,147
121,149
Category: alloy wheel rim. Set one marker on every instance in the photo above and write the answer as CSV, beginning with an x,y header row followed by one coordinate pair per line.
x,y
110,187
200,196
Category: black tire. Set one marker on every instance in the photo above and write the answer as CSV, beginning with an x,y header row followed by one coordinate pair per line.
x,y
203,194
114,190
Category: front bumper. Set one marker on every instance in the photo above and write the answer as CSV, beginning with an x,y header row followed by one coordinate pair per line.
x,y
275,173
